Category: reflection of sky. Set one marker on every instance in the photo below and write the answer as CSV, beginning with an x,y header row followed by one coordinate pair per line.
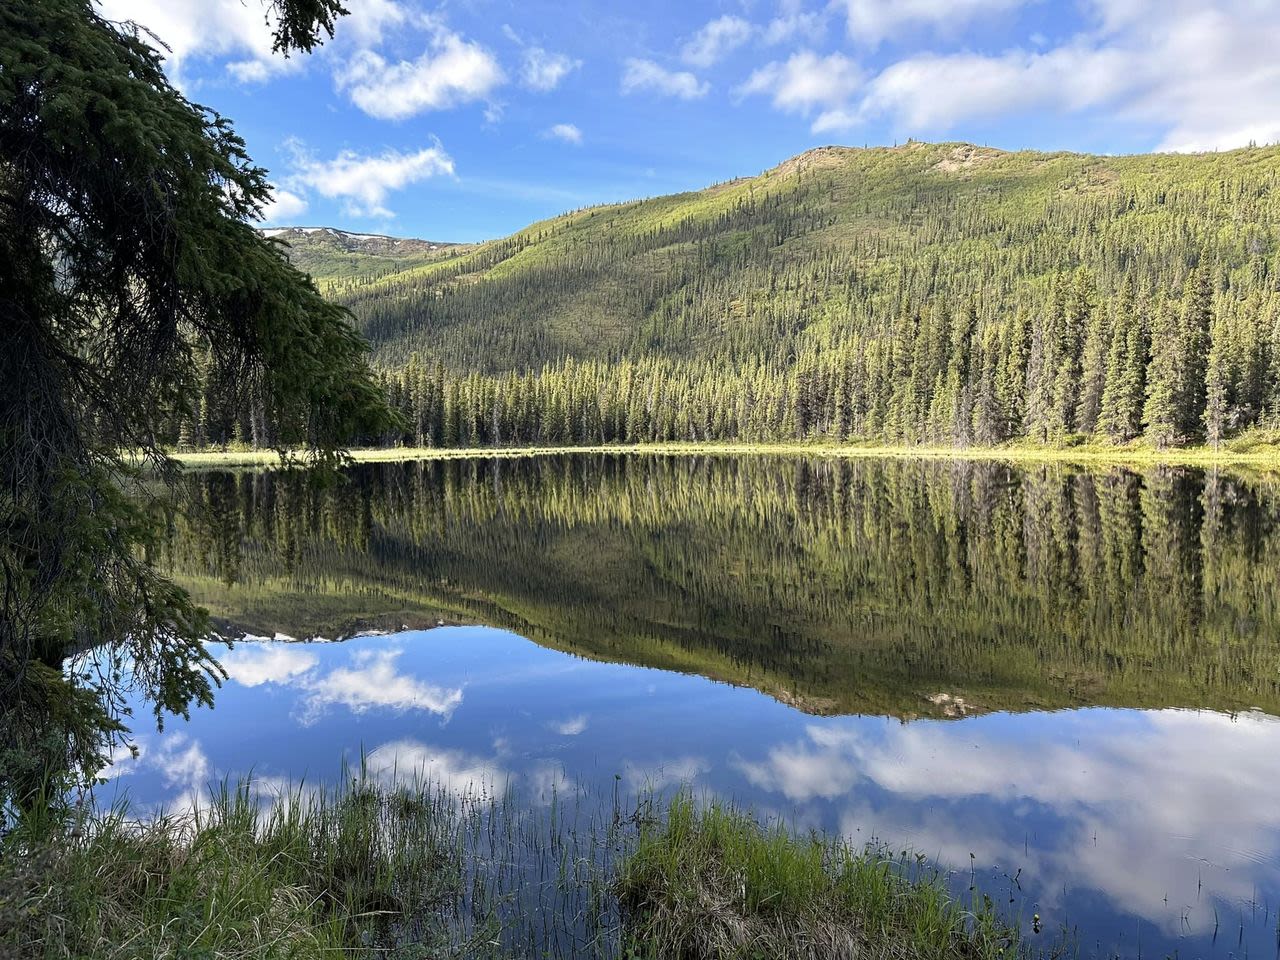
x,y
1134,826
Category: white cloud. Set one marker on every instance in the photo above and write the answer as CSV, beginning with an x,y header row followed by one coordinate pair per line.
x,y
794,21
566,132
806,82
871,21
716,40
180,761
363,182
369,21
254,664
543,71
934,92
658,775
201,29
645,75
450,72
1200,75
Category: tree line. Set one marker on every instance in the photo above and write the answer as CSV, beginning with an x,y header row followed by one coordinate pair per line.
x,y
1196,365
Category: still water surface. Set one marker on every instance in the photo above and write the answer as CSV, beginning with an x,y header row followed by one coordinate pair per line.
x,y
1062,682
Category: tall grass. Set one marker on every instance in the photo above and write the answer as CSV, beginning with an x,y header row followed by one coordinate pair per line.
x,y
312,874
711,882
373,869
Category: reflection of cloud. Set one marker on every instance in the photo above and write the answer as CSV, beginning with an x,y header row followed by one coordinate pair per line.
x,y
548,779
372,681
659,775
180,760
572,726
254,664
1153,805
413,762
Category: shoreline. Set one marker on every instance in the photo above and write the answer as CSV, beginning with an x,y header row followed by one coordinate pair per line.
x,y
1266,457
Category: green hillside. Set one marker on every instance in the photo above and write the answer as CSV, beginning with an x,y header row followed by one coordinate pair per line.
x,y
926,292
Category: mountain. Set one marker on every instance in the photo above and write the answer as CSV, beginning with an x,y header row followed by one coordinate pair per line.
x,y
946,293
329,254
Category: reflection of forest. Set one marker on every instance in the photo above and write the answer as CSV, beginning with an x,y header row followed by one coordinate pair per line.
x,y
900,587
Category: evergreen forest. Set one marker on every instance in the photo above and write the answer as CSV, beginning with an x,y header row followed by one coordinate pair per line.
x,y
925,293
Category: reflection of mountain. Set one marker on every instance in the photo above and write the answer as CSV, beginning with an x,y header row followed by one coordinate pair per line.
x,y
847,586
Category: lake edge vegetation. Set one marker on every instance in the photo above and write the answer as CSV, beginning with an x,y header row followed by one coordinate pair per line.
x,y
384,869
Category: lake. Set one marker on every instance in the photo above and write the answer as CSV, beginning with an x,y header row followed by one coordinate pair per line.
x,y
1060,684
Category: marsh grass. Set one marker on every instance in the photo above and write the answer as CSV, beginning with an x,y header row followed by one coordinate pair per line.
x,y
310,874
377,868
711,882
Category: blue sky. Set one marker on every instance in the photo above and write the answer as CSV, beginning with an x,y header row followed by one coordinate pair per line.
x,y
469,119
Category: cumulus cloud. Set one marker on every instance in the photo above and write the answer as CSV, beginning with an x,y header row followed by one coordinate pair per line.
x,y
451,71
716,40
199,29
793,21
1199,75
930,92
872,21
363,182
645,75
566,132
411,761
542,71
369,21
658,775
180,760
806,82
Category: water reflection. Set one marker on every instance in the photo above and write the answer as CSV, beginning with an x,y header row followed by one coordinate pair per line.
x,y
904,588
899,640
1130,825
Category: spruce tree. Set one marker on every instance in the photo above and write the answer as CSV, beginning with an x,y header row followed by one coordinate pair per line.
x,y
127,257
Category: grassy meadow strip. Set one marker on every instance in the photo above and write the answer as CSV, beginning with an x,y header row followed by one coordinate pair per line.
x,y
372,870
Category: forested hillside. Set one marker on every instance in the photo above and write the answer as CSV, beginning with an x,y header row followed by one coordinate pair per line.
x,y
921,293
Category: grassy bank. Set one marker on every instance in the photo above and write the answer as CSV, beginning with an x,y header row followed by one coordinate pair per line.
x,y
371,870
1260,450
712,882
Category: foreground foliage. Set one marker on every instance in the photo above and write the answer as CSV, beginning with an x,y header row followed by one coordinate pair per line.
x,y
129,274
312,874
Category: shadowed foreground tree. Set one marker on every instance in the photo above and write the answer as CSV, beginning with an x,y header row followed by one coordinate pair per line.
x,y
126,252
